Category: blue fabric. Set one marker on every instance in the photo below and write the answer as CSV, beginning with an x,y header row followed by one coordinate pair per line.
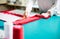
x,y
1,24
43,29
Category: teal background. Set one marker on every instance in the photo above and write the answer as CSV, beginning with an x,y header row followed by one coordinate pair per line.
x,y
43,29
1,24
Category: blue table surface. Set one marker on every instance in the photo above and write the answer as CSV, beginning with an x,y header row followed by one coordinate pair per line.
x,y
43,29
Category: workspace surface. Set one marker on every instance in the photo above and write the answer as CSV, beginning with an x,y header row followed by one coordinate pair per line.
x,y
43,29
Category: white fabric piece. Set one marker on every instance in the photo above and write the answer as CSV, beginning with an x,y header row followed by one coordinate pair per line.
x,y
2,34
8,17
45,15
8,28
17,11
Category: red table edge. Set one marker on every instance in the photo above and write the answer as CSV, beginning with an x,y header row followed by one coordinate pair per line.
x,y
29,19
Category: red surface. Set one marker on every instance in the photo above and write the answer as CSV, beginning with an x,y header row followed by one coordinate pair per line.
x,y
27,20
30,19
18,32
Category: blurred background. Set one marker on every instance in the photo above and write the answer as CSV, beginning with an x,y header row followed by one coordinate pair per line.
x,y
16,4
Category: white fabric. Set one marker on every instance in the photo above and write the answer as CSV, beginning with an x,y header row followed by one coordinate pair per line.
x,y
8,28
17,11
45,15
8,17
2,34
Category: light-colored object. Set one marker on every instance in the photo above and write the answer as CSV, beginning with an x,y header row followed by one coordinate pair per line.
x,y
23,2
56,9
2,34
44,5
8,28
17,11
45,15
9,17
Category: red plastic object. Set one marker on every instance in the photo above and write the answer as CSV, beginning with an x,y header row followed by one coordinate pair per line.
x,y
30,19
18,32
27,20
